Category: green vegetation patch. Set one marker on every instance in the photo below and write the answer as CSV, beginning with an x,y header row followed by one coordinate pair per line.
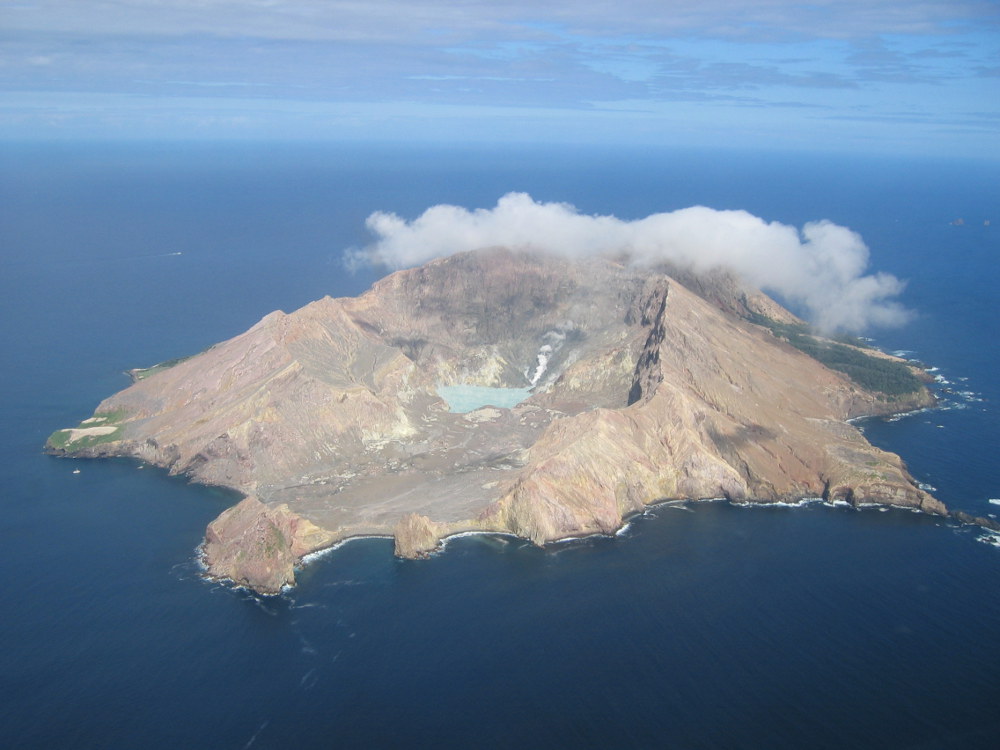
x,y
142,373
103,427
888,376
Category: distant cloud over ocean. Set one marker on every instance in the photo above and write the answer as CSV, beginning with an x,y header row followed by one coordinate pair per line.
x,y
876,75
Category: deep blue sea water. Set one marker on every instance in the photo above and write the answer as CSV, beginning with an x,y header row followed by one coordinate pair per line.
x,y
703,627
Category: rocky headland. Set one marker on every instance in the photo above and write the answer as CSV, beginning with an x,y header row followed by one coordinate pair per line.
x,y
646,385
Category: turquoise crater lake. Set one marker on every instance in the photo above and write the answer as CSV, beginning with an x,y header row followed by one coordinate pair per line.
x,y
466,398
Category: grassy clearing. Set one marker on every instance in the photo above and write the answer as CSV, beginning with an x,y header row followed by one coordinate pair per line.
x,y
103,427
887,376
141,373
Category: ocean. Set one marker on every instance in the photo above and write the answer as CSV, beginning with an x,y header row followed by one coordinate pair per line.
x,y
698,626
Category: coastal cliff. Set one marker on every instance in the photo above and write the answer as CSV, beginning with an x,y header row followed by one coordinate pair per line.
x,y
643,385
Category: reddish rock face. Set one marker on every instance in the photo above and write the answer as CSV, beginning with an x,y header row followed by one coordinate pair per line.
x,y
646,389
258,546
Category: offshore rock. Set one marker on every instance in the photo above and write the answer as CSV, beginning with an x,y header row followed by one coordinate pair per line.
x,y
645,385
257,546
970,520
416,536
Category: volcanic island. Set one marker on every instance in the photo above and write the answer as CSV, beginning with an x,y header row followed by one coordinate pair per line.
x,y
507,392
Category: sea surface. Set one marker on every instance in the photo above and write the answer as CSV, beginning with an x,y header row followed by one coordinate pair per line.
x,y
700,626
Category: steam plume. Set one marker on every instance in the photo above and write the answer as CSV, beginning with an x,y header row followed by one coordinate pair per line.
x,y
820,268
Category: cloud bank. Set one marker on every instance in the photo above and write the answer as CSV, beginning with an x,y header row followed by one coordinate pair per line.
x,y
886,75
819,269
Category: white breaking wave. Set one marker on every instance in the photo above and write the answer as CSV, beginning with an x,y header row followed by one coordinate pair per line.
x,y
501,535
320,553
626,527
990,537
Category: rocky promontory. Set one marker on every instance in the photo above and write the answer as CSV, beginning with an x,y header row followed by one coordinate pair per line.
x,y
642,384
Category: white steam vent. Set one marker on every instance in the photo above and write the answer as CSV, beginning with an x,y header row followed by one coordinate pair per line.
x,y
552,342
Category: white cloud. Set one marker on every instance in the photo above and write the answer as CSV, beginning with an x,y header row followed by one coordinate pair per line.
x,y
820,268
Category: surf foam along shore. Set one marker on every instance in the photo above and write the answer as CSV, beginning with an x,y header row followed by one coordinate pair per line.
x,y
668,385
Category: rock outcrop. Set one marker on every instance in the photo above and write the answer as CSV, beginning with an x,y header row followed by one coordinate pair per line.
x,y
417,536
258,546
644,388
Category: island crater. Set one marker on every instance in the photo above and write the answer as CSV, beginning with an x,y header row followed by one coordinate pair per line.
x,y
636,385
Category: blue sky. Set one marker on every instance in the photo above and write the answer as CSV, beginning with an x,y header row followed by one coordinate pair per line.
x,y
899,76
